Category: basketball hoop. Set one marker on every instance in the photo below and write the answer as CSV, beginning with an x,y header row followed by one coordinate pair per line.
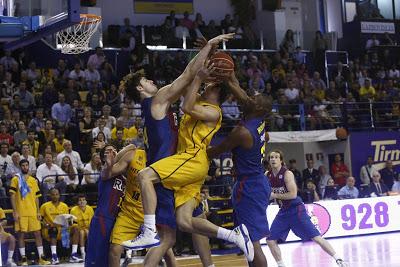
x,y
75,39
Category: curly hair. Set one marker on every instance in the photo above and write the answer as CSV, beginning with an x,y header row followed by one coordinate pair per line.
x,y
129,84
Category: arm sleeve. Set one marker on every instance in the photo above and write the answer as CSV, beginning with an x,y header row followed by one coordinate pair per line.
x,y
14,185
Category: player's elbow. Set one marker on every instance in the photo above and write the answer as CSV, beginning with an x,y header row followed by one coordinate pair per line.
x,y
187,109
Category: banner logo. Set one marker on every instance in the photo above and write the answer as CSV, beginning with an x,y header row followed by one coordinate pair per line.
x,y
320,217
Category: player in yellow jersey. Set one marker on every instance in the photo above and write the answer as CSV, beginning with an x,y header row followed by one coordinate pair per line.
x,y
184,172
7,238
129,162
84,215
24,196
52,231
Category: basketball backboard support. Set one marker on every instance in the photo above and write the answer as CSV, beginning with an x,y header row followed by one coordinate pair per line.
x,y
46,17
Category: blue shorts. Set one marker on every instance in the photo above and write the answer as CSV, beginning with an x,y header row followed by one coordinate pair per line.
x,y
165,212
98,244
294,218
250,200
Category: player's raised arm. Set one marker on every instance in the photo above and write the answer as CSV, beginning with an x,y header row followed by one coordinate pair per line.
x,y
173,91
291,188
113,167
238,136
196,111
237,91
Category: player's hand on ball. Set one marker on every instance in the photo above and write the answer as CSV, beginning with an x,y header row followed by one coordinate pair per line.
x,y
205,72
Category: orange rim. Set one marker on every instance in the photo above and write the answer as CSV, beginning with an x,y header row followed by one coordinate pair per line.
x,y
91,19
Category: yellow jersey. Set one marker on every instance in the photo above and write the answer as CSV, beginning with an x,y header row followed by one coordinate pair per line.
x,y
34,146
25,206
114,133
83,218
59,147
49,211
195,134
2,215
132,203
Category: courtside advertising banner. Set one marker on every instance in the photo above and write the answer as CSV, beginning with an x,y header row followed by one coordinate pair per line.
x,y
382,146
163,6
339,218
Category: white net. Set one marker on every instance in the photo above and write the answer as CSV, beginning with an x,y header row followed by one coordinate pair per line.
x,y
75,39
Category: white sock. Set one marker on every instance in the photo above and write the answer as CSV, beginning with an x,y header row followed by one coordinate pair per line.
x,y
280,263
150,221
212,265
82,251
74,249
128,253
22,252
53,250
10,255
40,250
225,234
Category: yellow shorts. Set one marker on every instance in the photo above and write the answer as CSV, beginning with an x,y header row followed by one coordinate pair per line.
x,y
126,227
45,233
184,173
27,224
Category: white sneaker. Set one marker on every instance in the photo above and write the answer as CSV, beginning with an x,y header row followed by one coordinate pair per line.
x,y
243,241
11,263
146,239
341,263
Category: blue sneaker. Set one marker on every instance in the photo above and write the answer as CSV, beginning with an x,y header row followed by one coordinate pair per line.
x,y
75,258
146,239
54,259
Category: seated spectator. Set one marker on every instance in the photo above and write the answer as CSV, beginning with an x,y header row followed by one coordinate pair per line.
x,y
127,118
77,75
138,141
388,174
339,171
38,122
292,94
73,156
230,109
91,172
309,194
26,153
50,176
59,141
310,173
367,91
256,84
394,72
7,60
396,185
330,190
102,128
372,42
324,178
20,135
349,190
317,80
70,174
119,141
52,231
97,59
181,31
84,215
366,171
299,56
62,71
211,31
119,126
5,137
8,89
33,73
110,120
13,168
7,238
61,111
33,144
98,143
296,173
91,75
71,92
377,188
5,159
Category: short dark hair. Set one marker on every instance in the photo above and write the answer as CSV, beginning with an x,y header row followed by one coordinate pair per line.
x,y
292,161
31,131
103,150
22,161
131,82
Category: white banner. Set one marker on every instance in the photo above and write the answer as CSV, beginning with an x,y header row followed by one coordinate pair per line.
x,y
338,218
302,136
377,27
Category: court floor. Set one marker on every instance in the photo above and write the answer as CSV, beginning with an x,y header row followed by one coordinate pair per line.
x,y
380,250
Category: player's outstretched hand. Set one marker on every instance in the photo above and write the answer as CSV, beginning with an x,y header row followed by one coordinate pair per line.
x,y
110,158
206,71
220,38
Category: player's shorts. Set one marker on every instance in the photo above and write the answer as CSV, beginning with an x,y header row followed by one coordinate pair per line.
x,y
27,224
165,212
53,232
184,173
99,241
126,227
250,199
296,219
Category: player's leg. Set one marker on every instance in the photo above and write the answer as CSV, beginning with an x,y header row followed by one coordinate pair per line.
x,y
276,252
259,257
327,247
98,243
21,245
10,240
35,226
74,241
147,177
82,241
201,244
155,254
279,230
114,256
53,233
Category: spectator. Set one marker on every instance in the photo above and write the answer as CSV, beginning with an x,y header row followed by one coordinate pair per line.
x,y
110,120
319,47
388,174
8,88
396,185
119,141
61,111
226,22
61,72
5,137
27,100
339,171
138,141
98,143
377,188
33,144
8,61
33,73
230,109
119,126
59,141
186,21
127,27
128,42
316,80
20,135
52,231
367,91
24,194
113,99
49,96
91,75
84,215
372,42
5,159
292,94
77,74
287,43
296,173
309,194
324,178
366,171
26,154
70,175
50,176
91,172
74,156
394,73
310,173
71,92
330,190
102,128
38,122
349,190
299,56
97,59
181,31
13,168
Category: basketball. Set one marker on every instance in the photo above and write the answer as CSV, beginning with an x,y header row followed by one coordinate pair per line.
x,y
223,64
341,133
